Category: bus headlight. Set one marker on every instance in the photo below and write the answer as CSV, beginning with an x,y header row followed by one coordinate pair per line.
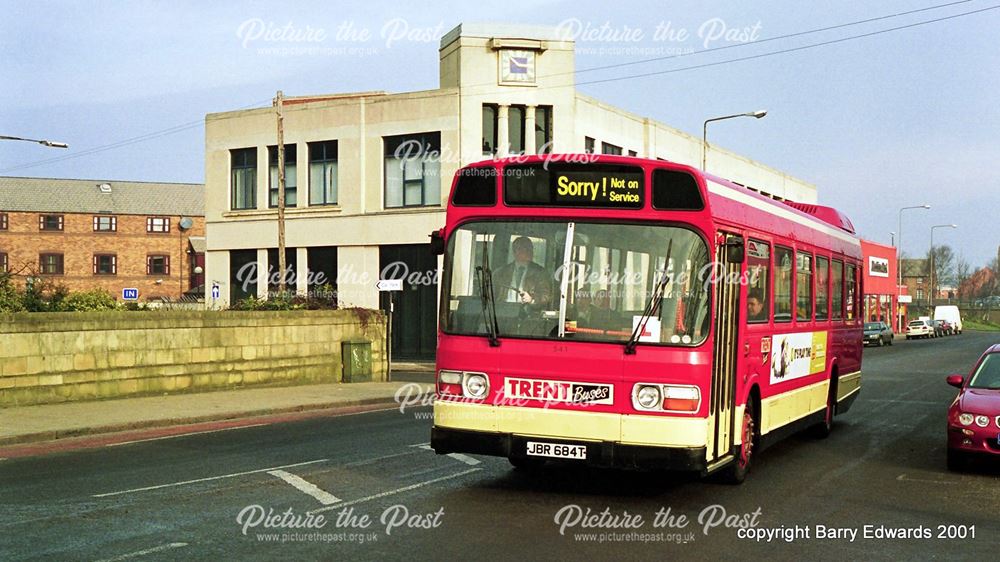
x,y
982,421
647,397
476,385
965,419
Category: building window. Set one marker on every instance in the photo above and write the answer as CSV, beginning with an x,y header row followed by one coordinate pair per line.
x,y
543,129
50,264
290,182
588,145
104,223
803,287
157,265
3,221
3,262
633,153
413,170
490,116
243,177
515,128
322,173
50,222
608,148
158,224
105,264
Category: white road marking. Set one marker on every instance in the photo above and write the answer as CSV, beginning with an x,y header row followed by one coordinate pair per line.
x,y
306,487
153,550
396,491
185,482
185,434
905,478
457,456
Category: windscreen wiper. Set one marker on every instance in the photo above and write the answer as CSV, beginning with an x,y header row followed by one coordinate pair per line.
x,y
654,303
488,300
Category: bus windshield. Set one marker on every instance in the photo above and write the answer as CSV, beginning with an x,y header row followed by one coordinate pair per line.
x,y
576,280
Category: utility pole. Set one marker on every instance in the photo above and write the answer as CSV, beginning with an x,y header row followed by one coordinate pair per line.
x,y
279,101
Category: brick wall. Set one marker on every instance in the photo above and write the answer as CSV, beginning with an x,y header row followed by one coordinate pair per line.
x,y
23,242
57,357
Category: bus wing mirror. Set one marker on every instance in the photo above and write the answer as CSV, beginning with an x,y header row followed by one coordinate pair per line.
x,y
735,250
437,242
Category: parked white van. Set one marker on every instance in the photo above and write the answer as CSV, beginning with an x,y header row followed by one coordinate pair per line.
x,y
951,314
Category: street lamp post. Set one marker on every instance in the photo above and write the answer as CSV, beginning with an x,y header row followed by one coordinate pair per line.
x,y
48,143
899,259
892,237
933,291
704,130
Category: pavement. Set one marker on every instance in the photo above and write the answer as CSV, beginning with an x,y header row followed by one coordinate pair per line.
x,y
34,424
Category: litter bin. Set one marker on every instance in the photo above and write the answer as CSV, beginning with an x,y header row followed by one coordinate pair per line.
x,y
357,360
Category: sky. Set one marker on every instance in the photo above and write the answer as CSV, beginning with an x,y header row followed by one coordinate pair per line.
x,y
894,119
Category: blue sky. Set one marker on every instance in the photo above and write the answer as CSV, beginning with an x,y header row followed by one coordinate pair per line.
x,y
901,118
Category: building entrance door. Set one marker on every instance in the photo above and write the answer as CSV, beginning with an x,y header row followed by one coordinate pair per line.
x,y
414,320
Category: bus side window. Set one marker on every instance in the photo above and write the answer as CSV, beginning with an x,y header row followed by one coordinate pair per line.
x,y
782,284
803,287
758,258
822,288
837,289
851,300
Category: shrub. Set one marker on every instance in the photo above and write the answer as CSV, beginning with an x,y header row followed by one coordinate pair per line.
x,y
96,299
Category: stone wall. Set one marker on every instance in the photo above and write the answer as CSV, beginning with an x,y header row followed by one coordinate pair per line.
x,y
57,357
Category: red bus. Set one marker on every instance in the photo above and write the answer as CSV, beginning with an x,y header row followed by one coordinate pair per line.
x,y
637,313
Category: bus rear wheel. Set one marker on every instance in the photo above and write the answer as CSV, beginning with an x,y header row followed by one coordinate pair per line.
x,y
823,429
737,472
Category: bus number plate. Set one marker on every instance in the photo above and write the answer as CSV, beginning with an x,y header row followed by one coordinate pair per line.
x,y
557,450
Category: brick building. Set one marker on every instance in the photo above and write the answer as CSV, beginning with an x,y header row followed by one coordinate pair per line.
x,y
88,234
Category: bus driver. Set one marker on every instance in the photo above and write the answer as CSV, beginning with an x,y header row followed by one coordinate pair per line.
x,y
524,280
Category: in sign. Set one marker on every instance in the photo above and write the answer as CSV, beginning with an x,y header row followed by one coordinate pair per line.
x,y
389,285
130,294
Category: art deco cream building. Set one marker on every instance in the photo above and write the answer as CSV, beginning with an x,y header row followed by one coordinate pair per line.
x,y
353,207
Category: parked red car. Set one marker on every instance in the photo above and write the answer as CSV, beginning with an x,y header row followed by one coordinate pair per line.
x,y
974,416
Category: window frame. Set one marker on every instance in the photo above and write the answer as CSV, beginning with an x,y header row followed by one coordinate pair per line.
x,y
519,125
851,288
431,146
607,146
811,301
42,220
589,145
150,220
495,109
4,264
324,161
4,221
834,313
791,285
97,264
59,264
826,308
768,276
543,127
247,168
112,223
166,264
272,169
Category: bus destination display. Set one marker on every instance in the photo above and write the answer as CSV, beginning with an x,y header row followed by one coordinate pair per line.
x,y
621,187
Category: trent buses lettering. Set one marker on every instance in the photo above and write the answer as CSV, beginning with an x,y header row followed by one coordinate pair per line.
x,y
624,190
559,391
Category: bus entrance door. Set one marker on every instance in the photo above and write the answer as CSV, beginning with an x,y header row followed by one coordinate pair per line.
x,y
727,316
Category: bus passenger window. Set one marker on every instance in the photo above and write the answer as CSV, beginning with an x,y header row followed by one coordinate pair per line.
x,y
852,283
837,289
782,285
758,274
803,287
822,288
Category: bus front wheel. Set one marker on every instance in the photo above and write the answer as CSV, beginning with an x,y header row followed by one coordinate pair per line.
x,y
737,472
